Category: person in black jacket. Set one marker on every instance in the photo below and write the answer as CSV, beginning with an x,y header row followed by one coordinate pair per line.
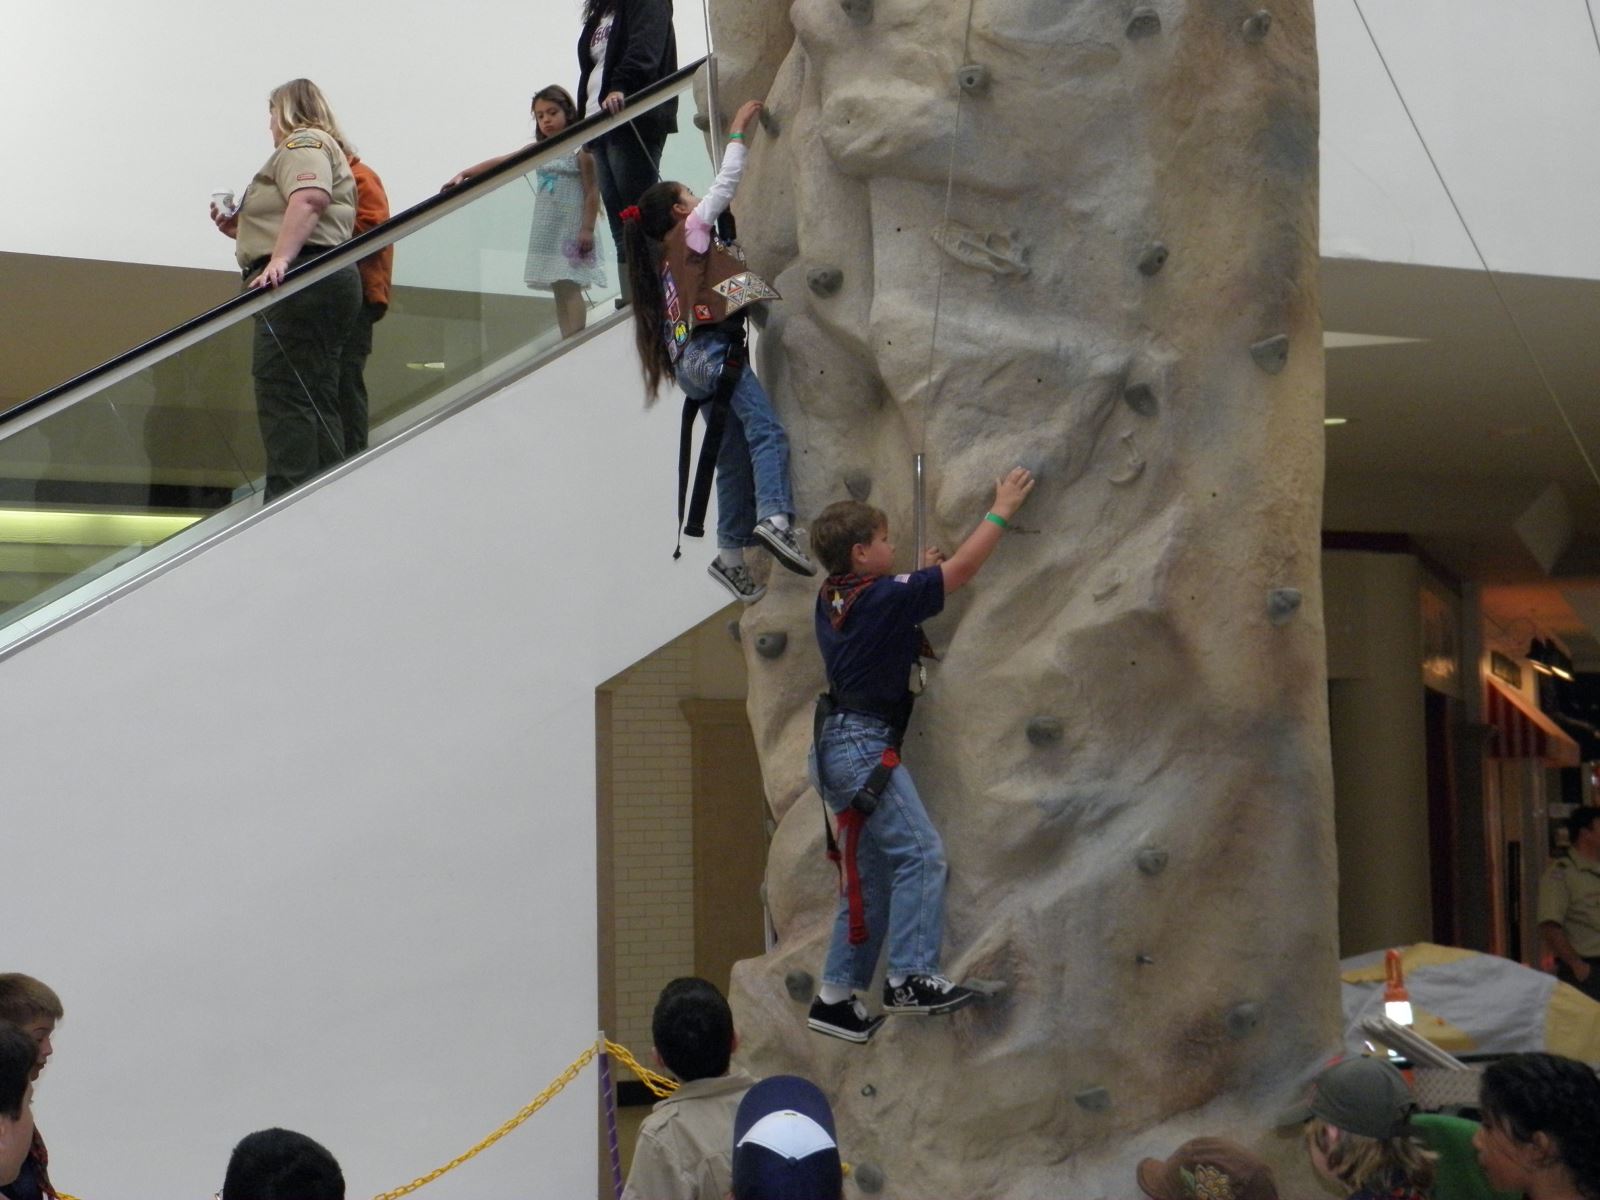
x,y
625,46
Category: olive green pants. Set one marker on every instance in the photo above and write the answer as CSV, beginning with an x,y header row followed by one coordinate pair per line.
x,y
297,352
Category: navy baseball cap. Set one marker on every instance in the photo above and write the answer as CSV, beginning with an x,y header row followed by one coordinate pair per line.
x,y
785,1146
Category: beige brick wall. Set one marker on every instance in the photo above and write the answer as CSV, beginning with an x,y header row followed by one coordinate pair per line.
x,y
653,847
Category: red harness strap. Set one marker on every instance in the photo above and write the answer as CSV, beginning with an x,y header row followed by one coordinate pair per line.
x,y
851,822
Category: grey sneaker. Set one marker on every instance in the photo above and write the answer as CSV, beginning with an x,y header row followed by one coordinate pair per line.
x,y
847,1020
737,580
926,995
785,547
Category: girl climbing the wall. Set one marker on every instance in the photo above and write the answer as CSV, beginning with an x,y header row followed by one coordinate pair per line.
x,y
561,250
691,294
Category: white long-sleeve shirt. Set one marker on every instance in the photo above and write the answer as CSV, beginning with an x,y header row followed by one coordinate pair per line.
x,y
703,220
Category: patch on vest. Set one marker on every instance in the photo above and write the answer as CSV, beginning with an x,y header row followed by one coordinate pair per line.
x,y
674,331
303,141
702,312
744,288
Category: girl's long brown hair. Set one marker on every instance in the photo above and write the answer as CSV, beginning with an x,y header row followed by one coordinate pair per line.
x,y
641,240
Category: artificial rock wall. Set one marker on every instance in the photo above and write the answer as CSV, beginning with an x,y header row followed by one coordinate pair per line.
x,y
1112,209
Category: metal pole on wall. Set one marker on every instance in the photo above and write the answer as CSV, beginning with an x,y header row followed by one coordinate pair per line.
x,y
920,521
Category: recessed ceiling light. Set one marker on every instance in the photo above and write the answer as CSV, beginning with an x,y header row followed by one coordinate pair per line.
x,y
1334,340
425,366
1336,420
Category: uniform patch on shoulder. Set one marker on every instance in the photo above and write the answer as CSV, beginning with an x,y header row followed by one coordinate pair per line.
x,y
902,579
702,312
305,175
303,141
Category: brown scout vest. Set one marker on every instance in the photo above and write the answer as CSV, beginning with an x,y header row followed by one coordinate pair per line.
x,y
703,289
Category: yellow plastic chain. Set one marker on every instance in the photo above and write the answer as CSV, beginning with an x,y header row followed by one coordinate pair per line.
x,y
658,1084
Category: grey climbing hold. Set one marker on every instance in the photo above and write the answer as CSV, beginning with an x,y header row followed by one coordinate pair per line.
x,y
1145,22
1152,258
1096,1099
868,1090
1283,603
1151,861
769,122
858,484
1140,397
973,79
1133,467
824,281
997,251
1271,354
771,645
702,122
1144,960
1044,731
1052,807
733,631
859,11
800,985
1257,25
868,1177
1242,1019
987,989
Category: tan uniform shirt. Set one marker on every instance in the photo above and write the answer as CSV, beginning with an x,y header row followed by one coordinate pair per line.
x,y
1569,896
685,1147
307,158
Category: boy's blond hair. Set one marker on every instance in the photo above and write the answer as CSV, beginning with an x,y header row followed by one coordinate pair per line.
x,y
1358,1161
23,1000
840,528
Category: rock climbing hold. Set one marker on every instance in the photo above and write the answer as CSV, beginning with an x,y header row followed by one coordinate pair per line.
x,y
733,631
770,123
859,11
1044,731
858,484
1151,860
1140,397
1144,960
1051,807
1257,25
1283,603
1242,1019
868,1177
800,985
1096,1099
1271,354
1145,22
702,122
1152,258
771,645
824,281
1000,252
868,1091
988,989
1134,467
973,78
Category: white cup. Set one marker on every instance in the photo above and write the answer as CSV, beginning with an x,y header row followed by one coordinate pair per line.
x,y
224,203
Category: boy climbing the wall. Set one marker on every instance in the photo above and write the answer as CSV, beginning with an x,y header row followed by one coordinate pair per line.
x,y
892,863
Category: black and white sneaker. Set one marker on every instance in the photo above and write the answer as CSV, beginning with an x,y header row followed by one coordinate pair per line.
x,y
847,1019
737,580
926,995
785,547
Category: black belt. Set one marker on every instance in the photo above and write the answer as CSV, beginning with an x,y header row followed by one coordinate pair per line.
x,y
305,252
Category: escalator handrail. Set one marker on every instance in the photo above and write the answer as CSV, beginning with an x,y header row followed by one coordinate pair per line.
x,y
423,213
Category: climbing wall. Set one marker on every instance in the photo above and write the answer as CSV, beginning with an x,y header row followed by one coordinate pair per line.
x,y
1081,237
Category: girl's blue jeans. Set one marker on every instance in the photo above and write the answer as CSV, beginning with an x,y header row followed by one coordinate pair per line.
x,y
900,859
753,463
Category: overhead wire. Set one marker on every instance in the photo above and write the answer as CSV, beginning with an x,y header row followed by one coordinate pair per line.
x,y
1483,260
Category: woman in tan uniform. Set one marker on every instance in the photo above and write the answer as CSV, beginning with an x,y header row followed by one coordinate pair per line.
x,y
301,202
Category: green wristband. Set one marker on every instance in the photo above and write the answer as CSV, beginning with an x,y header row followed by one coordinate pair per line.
x,y
997,519
736,137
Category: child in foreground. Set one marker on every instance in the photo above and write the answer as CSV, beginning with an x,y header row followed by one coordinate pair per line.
x,y
691,292
868,623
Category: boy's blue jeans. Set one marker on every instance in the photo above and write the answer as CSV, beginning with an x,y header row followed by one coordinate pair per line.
x,y
753,462
900,859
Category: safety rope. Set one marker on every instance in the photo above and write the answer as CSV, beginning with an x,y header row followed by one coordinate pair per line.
x,y
659,1085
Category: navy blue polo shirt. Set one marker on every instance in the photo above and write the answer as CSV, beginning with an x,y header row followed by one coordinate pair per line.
x,y
870,658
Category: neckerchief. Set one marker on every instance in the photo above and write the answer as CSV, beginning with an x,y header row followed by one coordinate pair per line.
x,y
839,595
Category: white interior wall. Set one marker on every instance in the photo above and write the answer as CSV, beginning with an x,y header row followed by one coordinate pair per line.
x,y
126,117
131,115
303,830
